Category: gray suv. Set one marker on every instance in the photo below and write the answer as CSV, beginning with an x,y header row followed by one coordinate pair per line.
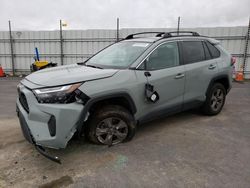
x,y
130,82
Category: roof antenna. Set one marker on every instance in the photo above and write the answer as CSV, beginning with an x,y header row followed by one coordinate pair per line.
x,y
178,26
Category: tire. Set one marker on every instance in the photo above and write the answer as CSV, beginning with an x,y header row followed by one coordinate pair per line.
x,y
110,125
215,100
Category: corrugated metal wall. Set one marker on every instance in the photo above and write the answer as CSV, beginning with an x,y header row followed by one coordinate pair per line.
x,y
77,46
81,44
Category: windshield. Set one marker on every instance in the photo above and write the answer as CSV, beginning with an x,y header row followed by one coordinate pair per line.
x,y
119,55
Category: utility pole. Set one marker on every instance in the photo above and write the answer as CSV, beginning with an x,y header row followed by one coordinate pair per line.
x,y
11,50
178,26
117,29
61,42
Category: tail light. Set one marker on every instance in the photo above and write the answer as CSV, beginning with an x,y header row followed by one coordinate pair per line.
x,y
233,60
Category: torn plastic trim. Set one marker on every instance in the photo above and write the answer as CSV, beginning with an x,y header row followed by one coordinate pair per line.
x,y
42,151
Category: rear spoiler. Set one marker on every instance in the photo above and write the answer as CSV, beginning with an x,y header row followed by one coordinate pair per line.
x,y
213,41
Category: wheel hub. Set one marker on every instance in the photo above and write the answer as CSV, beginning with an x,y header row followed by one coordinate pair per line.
x,y
217,99
111,131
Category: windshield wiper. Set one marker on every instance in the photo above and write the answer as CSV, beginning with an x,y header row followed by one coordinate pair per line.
x,y
84,63
94,66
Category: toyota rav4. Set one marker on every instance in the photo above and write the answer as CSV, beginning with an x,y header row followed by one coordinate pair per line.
x,y
125,84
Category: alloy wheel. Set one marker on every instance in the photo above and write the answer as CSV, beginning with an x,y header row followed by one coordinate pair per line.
x,y
217,99
111,131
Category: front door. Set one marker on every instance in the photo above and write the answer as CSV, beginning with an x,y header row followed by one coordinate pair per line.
x,y
167,77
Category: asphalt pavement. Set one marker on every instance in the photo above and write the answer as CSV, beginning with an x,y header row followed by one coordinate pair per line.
x,y
184,150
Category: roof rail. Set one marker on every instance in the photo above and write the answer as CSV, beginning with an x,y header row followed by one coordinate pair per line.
x,y
165,34
131,36
169,34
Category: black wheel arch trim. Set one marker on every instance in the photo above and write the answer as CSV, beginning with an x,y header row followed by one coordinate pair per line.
x,y
93,101
213,80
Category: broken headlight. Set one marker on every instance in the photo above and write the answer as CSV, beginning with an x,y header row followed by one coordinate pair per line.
x,y
59,94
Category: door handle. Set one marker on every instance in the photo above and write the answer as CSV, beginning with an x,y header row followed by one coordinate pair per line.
x,y
211,66
180,75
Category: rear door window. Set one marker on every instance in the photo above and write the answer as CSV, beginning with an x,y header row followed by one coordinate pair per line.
x,y
207,53
193,51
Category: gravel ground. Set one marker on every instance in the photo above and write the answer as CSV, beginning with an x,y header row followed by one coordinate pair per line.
x,y
185,150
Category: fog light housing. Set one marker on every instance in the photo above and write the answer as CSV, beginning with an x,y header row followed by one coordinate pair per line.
x,y
52,126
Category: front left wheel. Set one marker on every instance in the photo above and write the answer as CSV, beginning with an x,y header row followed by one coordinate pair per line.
x,y
111,125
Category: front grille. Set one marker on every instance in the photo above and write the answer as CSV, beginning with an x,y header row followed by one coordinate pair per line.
x,y
23,101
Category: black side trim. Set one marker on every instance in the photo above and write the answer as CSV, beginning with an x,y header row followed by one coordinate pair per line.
x,y
213,80
160,114
192,104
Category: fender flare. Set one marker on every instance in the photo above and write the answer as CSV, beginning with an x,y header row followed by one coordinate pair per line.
x,y
110,96
214,79
94,100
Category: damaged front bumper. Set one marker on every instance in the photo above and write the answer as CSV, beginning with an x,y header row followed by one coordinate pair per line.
x,y
47,125
30,139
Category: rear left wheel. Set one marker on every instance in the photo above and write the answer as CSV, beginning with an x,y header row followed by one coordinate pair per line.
x,y
215,100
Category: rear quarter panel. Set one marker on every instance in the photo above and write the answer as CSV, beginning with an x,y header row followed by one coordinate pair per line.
x,y
224,64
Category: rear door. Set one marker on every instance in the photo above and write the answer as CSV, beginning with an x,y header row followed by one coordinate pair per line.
x,y
167,76
200,68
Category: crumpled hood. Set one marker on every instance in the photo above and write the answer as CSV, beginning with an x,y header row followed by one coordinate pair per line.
x,y
67,74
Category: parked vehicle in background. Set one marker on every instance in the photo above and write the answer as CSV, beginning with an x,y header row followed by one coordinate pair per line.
x,y
128,83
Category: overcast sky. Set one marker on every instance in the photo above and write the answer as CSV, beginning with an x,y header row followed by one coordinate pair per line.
x,y
102,14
